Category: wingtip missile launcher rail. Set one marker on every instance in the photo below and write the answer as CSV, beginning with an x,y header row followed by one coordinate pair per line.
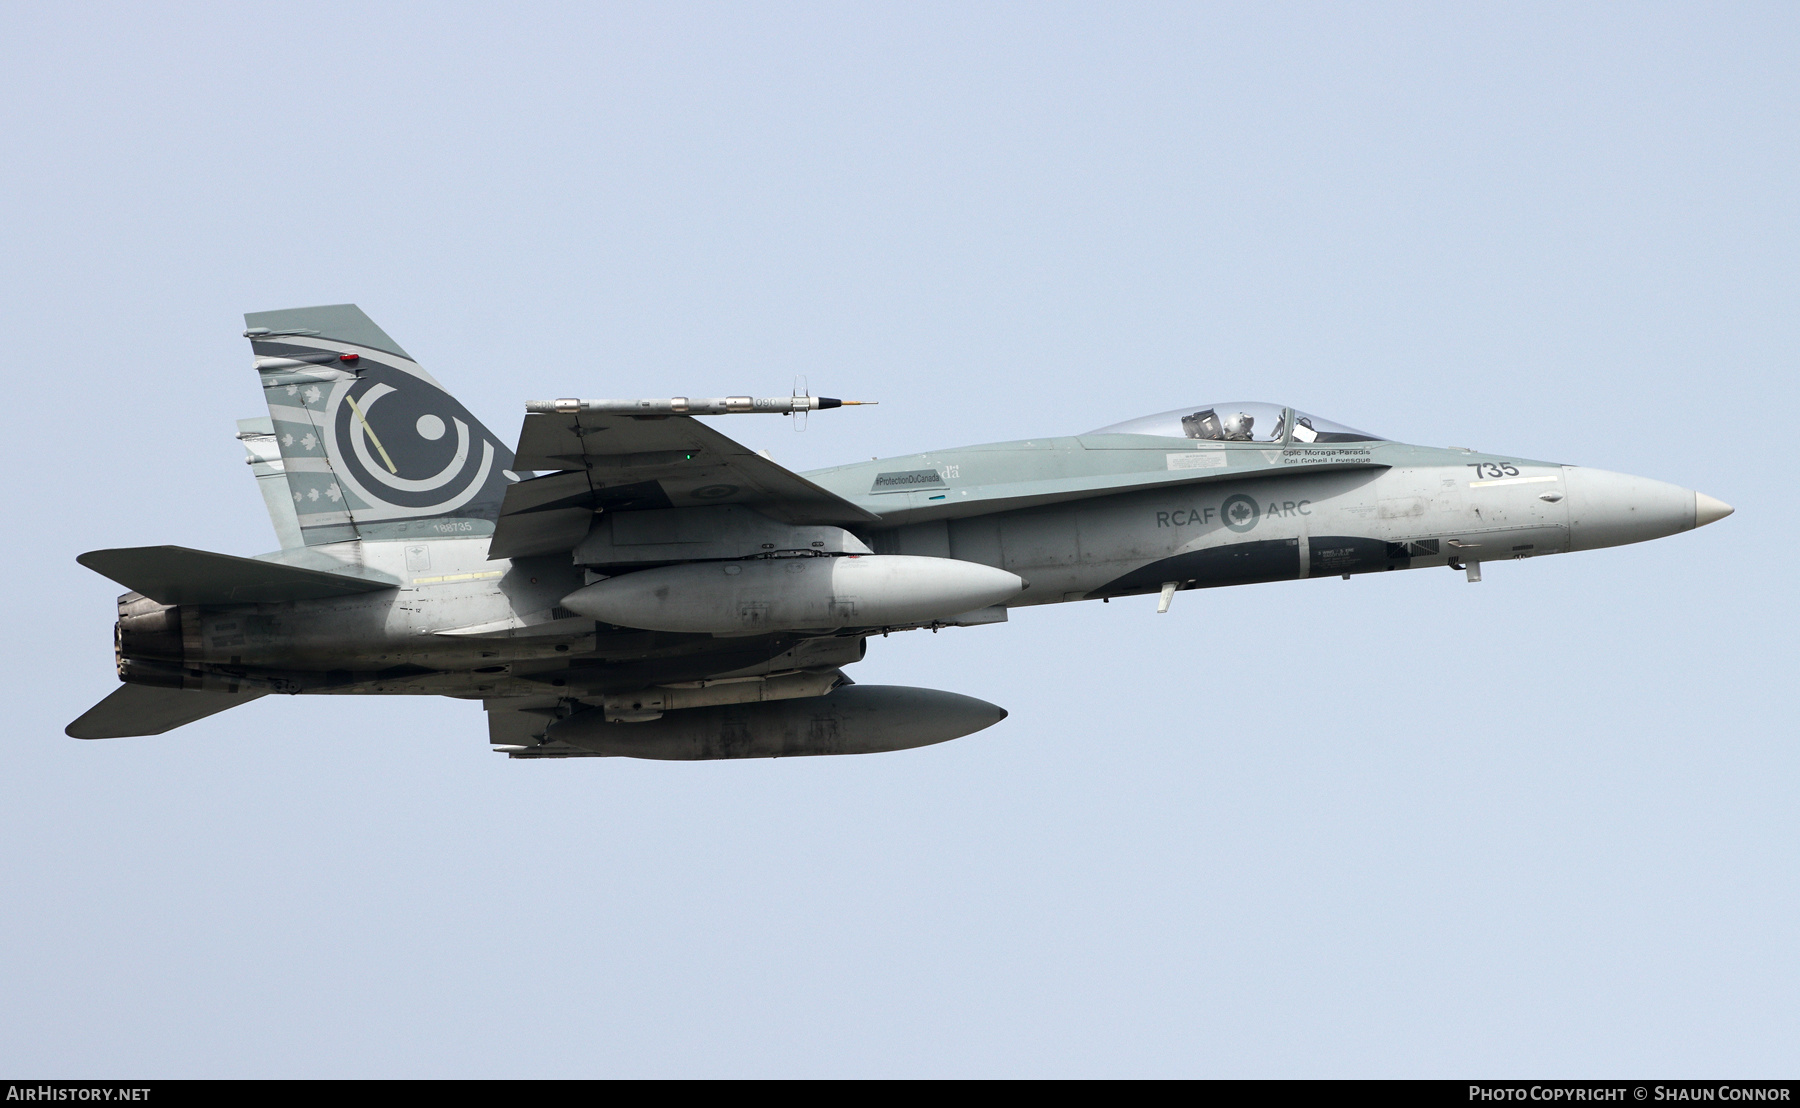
x,y
683,405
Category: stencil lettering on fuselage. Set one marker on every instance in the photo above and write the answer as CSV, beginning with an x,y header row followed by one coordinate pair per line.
x,y
1240,513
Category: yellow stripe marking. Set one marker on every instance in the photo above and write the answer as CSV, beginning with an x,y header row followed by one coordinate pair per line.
x,y
357,408
457,577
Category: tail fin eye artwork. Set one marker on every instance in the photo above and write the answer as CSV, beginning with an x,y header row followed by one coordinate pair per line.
x,y
623,580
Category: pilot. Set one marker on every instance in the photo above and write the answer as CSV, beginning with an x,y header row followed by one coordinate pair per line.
x,y
1237,426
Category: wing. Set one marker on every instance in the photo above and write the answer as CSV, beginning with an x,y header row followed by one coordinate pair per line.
x,y
622,462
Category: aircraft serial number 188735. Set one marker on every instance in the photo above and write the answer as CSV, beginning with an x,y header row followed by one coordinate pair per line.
x,y
628,581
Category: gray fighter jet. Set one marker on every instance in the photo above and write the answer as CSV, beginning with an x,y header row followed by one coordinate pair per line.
x,y
628,581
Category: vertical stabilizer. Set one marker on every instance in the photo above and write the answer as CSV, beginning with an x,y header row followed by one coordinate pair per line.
x,y
264,459
372,447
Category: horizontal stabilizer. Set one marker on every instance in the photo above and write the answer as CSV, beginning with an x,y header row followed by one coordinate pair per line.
x,y
149,710
177,575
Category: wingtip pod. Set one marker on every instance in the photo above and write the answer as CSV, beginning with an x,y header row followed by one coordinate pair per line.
x,y
856,719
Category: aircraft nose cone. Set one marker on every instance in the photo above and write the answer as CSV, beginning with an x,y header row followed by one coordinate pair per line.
x,y
1708,510
1612,509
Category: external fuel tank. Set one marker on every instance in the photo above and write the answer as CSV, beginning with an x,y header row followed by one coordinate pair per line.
x,y
760,595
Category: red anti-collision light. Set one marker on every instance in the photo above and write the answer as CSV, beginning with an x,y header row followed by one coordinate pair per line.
x,y
348,357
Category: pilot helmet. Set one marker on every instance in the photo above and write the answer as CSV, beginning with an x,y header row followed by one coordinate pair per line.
x,y
1237,425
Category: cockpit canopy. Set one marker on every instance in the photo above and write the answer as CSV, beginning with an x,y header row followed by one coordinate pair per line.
x,y
1240,421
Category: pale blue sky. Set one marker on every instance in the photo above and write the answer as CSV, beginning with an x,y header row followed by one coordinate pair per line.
x,y
1395,826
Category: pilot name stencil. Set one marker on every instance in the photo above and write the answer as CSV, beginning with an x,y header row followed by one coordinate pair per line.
x,y
1327,456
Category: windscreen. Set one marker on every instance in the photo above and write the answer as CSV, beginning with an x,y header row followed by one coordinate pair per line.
x,y
1308,428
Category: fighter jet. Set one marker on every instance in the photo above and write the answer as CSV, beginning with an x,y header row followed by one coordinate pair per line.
x,y
628,581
